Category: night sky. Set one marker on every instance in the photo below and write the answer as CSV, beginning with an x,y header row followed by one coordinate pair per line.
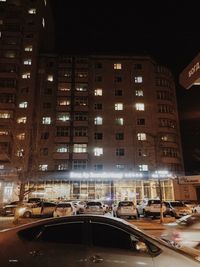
x,y
167,30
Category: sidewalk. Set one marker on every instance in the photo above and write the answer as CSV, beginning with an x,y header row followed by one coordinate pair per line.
x,y
152,224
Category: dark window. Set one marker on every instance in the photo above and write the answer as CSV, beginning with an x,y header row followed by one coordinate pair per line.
x,y
46,105
45,135
98,79
110,237
140,121
98,65
137,66
119,136
97,106
98,136
118,79
118,92
69,233
120,152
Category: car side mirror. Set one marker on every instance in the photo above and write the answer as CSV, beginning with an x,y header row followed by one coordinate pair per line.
x,y
141,246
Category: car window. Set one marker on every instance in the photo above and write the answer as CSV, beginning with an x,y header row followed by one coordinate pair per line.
x,y
68,233
107,236
64,205
177,204
94,204
47,204
30,233
125,204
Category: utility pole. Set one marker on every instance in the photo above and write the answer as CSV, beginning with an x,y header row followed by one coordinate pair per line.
x,y
161,200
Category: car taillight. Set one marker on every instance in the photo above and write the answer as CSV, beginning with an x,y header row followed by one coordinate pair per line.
x,y
176,236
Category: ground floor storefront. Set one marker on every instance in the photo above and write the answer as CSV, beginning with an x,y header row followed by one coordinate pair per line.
x,y
104,188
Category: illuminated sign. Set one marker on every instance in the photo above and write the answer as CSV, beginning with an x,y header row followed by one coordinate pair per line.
x,y
101,175
193,69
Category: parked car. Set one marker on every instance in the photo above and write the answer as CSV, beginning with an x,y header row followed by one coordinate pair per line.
x,y
189,203
184,231
64,209
126,209
196,209
64,242
36,209
93,207
177,209
9,209
79,205
153,208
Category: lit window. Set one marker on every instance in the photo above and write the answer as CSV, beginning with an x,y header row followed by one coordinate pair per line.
x,y
81,87
117,66
139,93
143,167
2,167
139,106
80,148
3,132
26,75
27,61
63,117
64,88
20,153
62,166
46,120
141,136
50,78
5,115
120,166
98,92
62,149
3,0
119,121
1,22
43,22
138,79
10,54
21,136
28,48
63,102
98,151
22,120
45,2
98,121
43,167
32,11
118,106
23,104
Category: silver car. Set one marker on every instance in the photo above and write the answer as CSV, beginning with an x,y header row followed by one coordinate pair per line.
x,y
126,209
94,207
88,241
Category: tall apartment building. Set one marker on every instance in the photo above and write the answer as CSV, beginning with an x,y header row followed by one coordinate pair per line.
x,y
104,125
25,29
81,127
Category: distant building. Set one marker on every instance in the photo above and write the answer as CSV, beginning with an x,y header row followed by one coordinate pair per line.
x,y
82,127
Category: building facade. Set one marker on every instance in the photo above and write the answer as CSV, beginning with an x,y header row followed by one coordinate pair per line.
x,y
85,127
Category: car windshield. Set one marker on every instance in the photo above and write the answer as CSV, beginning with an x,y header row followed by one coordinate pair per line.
x,y
125,204
177,204
156,201
92,203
